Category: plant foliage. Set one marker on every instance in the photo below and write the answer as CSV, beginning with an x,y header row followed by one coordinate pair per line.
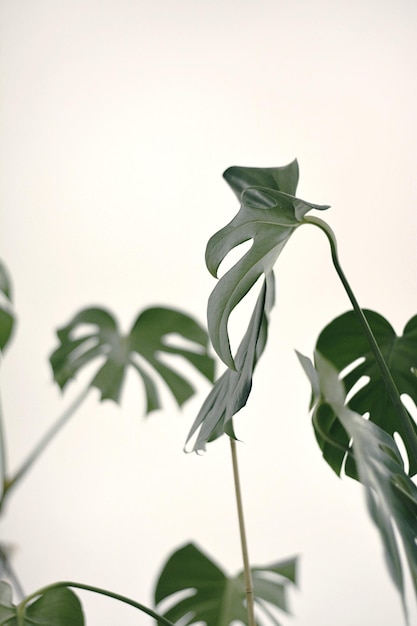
x,y
210,596
268,216
391,495
231,391
343,343
55,607
157,331
361,368
7,318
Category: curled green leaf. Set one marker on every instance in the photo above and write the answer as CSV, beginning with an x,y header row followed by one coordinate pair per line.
x,y
268,216
231,391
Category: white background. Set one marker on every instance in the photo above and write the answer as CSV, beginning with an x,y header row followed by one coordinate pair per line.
x,y
117,121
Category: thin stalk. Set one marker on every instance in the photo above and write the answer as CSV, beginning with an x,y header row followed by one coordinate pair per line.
x,y
3,460
383,367
245,554
10,573
46,439
137,605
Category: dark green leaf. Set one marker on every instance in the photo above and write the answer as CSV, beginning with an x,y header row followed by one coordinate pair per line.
x,y
208,595
56,607
7,317
231,391
268,216
391,495
343,343
156,331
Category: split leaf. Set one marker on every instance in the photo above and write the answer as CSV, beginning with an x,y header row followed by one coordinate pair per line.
x,y
231,391
93,333
391,496
343,343
208,595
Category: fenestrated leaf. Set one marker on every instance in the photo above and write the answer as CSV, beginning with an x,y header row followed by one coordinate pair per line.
x,y
268,216
270,584
155,332
56,607
391,495
343,343
210,596
231,391
7,317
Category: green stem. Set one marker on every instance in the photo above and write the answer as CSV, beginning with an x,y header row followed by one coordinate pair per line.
x,y
245,554
383,367
37,451
115,596
9,572
3,461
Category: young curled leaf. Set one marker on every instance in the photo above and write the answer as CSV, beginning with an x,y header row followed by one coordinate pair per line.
x,y
231,391
268,216
94,334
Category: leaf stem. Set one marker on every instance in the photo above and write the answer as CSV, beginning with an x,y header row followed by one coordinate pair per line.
x,y
383,367
9,572
40,447
245,554
110,594
3,460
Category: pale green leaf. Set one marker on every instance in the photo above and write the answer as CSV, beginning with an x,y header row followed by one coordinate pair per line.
x,y
93,334
231,391
7,609
268,216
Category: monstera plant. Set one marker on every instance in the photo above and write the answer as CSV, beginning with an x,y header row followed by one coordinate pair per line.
x,y
360,375
93,335
359,431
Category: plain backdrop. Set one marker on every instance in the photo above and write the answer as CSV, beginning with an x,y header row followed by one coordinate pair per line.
x,y
118,118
